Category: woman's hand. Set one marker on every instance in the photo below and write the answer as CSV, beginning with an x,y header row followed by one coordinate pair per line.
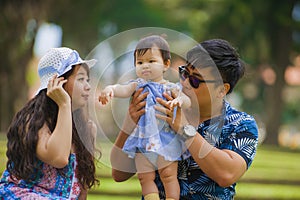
x,y
56,91
135,111
175,123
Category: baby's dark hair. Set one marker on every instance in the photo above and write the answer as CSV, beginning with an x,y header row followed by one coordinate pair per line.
x,y
148,42
219,53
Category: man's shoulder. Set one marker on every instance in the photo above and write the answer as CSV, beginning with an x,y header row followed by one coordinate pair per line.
x,y
235,115
240,121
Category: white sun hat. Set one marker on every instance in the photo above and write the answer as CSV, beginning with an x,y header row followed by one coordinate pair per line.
x,y
58,61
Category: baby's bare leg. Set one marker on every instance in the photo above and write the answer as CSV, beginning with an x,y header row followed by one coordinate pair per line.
x,y
168,175
146,175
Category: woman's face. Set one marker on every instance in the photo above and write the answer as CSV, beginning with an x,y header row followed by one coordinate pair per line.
x,y
78,87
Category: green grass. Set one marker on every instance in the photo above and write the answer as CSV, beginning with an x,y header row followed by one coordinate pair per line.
x,y
270,167
109,197
274,174
2,152
130,186
267,191
274,165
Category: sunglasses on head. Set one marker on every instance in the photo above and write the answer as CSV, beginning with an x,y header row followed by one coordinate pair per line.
x,y
193,80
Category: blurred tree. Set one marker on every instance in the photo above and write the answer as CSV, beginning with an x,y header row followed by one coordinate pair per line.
x,y
84,24
262,30
18,28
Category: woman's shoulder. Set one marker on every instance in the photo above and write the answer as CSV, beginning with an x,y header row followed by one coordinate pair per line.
x,y
93,127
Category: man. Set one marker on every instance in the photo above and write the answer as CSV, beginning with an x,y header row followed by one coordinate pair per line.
x,y
222,141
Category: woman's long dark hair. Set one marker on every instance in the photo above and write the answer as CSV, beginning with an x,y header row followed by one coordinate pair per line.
x,y
23,137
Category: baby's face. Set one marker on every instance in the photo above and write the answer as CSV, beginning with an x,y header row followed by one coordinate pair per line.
x,y
151,66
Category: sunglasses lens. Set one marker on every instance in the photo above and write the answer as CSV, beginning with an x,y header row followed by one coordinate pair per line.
x,y
183,74
195,82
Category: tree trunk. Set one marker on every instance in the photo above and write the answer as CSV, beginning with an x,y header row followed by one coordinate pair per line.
x,y
281,45
17,39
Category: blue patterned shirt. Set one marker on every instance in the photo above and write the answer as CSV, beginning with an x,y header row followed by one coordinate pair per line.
x,y
233,130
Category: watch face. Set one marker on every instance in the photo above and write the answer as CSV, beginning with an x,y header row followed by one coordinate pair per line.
x,y
189,130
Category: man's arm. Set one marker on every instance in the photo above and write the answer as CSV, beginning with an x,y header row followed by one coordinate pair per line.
x,y
223,166
123,167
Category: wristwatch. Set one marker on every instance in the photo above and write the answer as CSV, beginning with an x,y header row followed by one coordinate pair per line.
x,y
189,131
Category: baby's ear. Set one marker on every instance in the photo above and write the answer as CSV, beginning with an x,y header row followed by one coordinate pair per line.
x,y
167,64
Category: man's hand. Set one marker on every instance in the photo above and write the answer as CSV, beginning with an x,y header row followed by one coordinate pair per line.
x,y
175,122
135,111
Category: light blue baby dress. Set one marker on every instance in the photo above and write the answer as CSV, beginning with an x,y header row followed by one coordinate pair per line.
x,y
154,136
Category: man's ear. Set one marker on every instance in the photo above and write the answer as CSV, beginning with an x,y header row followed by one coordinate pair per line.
x,y
224,89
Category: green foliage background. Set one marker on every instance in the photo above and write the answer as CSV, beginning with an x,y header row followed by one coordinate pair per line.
x,y
263,31
266,33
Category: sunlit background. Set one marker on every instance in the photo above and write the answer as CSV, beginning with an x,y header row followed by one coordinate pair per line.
x,y
266,34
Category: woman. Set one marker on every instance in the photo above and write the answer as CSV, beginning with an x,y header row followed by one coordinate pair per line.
x,y
222,141
50,147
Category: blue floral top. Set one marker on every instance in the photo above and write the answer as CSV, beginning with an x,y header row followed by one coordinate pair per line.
x,y
234,130
50,183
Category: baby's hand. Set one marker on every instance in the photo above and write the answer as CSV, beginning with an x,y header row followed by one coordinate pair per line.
x,y
106,95
175,102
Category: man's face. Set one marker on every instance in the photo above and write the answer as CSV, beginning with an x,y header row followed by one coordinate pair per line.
x,y
204,95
